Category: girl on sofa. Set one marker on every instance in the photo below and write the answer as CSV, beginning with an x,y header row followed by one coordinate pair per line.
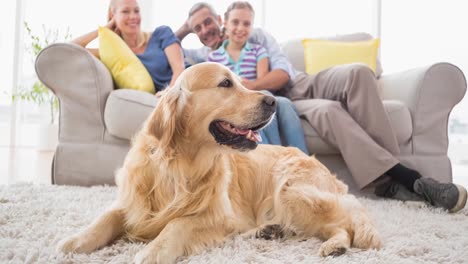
x,y
250,62
159,51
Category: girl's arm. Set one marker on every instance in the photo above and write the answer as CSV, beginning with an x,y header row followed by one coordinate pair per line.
x,y
175,57
270,81
262,68
266,79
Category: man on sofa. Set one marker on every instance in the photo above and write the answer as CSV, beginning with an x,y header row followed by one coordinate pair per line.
x,y
344,108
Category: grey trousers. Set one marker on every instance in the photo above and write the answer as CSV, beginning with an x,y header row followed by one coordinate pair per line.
x,y
342,104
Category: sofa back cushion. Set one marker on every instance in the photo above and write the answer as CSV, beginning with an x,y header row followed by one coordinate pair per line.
x,y
294,50
322,54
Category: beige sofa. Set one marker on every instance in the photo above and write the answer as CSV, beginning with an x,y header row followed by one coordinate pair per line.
x,y
96,122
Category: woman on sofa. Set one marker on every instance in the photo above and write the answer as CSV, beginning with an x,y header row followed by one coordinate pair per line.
x,y
159,51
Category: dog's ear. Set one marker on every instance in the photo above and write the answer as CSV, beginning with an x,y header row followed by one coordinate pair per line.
x,y
164,121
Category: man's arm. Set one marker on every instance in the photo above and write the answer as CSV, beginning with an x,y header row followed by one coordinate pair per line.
x,y
183,31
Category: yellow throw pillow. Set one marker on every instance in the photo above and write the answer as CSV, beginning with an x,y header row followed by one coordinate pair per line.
x,y
125,67
322,54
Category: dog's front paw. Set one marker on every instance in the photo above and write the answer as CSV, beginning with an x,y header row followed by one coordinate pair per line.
x,y
270,232
76,244
332,248
150,255
144,257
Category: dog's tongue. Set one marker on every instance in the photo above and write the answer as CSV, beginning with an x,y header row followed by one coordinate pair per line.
x,y
249,134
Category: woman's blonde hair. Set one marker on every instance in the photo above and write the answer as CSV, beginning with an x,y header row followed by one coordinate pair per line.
x,y
238,5
111,9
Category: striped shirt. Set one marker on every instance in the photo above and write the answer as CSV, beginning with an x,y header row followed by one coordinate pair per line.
x,y
246,66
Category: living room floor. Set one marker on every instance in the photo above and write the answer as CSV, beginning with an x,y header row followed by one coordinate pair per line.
x,y
26,164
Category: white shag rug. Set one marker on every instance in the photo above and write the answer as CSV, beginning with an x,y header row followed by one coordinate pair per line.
x,y
34,218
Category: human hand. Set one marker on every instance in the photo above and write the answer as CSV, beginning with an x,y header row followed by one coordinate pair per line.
x,y
186,27
112,25
184,30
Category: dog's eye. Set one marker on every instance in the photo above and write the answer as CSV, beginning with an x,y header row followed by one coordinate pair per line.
x,y
226,83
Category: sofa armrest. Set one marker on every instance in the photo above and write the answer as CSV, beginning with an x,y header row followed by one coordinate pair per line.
x,y
82,84
430,93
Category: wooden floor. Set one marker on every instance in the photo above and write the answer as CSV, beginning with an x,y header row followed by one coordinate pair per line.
x,y
32,166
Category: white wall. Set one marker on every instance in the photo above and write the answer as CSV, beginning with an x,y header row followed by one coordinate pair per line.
x,y
314,18
420,32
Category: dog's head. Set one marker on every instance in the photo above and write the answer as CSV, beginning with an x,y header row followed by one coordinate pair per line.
x,y
209,105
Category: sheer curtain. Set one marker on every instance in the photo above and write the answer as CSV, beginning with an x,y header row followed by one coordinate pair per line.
x,y
7,48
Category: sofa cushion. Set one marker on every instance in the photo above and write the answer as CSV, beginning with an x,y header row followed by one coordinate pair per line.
x,y
126,69
126,110
322,54
399,116
294,50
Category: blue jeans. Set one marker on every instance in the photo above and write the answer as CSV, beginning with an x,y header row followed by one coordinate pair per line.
x,y
286,126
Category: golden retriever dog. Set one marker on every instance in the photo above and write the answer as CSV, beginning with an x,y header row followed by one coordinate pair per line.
x,y
195,176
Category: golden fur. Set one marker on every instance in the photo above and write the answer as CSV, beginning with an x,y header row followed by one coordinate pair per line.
x,y
181,191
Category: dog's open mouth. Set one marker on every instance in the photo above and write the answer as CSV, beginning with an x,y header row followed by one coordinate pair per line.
x,y
240,138
250,134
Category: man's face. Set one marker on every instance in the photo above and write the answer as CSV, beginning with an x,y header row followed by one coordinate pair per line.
x,y
207,27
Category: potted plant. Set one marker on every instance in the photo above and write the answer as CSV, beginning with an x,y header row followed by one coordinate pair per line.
x,y
38,93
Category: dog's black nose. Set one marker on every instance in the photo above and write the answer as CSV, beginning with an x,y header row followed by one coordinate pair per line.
x,y
269,102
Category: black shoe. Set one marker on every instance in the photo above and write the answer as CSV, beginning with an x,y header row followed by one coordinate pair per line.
x,y
395,190
446,195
